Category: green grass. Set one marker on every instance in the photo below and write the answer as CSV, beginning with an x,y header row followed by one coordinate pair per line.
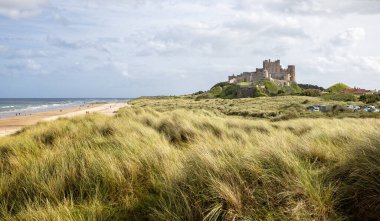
x,y
336,88
245,83
191,165
274,108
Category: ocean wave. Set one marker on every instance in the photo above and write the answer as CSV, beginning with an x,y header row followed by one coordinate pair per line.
x,y
7,107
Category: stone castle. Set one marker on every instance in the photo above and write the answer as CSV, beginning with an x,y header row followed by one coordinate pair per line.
x,y
272,70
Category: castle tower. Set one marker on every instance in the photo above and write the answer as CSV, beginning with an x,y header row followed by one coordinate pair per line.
x,y
292,72
287,77
266,74
273,67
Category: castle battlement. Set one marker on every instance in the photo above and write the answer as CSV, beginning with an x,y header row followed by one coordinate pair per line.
x,y
272,70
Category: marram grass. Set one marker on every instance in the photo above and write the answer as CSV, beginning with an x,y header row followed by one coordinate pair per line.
x,y
191,165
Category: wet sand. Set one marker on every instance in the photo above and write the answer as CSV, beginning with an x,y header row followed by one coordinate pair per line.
x,y
11,125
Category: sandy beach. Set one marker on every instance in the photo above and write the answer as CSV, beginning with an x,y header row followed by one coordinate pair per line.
x,y
11,125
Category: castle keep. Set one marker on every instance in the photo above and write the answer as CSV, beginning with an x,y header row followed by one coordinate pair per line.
x,y
272,70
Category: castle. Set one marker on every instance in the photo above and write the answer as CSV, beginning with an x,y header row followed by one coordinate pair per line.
x,y
272,70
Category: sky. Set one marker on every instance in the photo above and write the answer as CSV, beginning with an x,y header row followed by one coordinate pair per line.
x,y
131,48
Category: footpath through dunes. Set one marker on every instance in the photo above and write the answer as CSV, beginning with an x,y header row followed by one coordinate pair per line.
x,y
13,124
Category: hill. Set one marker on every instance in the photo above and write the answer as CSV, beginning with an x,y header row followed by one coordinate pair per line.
x,y
336,88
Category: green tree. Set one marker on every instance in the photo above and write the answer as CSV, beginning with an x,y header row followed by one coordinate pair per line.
x,y
271,87
257,92
216,91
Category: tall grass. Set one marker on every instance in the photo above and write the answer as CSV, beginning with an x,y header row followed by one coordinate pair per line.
x,y
274,108
191,165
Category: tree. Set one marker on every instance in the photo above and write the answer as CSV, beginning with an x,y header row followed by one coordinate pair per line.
x,y
216,91
257,92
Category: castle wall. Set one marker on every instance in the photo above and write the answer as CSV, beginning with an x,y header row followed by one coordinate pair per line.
x,y
271,70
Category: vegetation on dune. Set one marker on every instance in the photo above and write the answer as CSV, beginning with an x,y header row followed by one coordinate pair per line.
x,y
311,92
370,98
310,86
271,87
274,108
257,92
336,88
216,91
229,91
191,165
340,97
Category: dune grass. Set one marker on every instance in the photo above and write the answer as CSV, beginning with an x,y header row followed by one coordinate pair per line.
x,y
191,165
274,108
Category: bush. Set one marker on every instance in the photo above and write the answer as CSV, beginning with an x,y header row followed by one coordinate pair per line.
x,y
221,84
340,97
295,88
203,96
310,86
198,93
229,91
370,98
311,93
271,87
257,92
216,91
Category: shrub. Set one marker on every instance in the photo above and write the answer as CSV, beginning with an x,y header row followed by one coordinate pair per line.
x,y
198,93
340,97
221,84
310,86
257,92
370,98
216,91
229,91
295,88
203,96
271,87
311,92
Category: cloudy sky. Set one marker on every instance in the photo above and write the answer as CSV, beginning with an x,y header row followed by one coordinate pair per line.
x,y
129,48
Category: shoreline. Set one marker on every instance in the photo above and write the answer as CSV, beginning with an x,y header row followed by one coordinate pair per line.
x,y
10,125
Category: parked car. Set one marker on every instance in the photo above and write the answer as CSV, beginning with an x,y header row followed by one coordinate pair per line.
x,y
324,108
313,108
353,107
370,109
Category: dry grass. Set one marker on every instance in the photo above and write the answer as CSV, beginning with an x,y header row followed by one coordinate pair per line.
x,y
191,165
274,108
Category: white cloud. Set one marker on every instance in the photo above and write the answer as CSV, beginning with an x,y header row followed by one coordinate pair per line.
x,y
160,42
349,38
122,68
312,7
20,8
33,65
3,48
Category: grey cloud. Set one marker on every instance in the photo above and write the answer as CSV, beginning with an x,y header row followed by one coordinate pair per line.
x,y
97,44
312,7
349,37
20,8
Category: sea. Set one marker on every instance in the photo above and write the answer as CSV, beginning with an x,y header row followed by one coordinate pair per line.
x,y
24,106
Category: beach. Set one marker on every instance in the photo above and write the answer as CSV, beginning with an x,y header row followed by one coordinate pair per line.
x,y
11,125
